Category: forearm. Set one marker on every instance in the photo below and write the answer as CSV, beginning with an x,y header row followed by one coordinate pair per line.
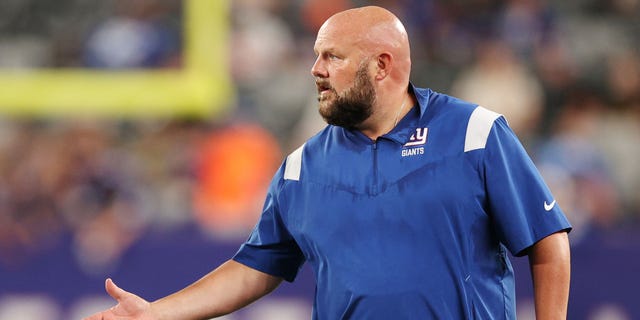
x,y
226,289
550,268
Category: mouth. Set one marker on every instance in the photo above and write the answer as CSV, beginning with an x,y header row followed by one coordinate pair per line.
x,y
323,87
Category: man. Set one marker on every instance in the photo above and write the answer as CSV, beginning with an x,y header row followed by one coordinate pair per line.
x,y
404,205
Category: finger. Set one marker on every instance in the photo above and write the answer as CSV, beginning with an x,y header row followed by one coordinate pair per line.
x,y
113,290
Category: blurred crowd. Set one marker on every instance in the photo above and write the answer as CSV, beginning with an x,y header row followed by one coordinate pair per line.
x,y
566,74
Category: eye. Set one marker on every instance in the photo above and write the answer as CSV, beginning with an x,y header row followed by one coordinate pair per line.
x,y
333,57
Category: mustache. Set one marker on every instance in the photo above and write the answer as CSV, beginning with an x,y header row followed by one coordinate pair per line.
x,y
323,84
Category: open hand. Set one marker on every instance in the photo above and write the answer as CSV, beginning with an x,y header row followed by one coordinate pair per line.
x,y
129,307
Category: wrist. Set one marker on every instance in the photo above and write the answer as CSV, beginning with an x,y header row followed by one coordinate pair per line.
x,y
155,311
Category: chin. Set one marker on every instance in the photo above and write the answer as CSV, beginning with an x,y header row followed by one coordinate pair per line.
x,y
324,104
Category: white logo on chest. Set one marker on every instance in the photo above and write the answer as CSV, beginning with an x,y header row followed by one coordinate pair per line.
x,y
416,143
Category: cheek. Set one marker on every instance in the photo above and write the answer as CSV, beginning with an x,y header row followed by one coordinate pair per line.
x,y
340,86
341,79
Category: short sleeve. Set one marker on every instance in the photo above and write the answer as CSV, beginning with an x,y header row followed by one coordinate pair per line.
x,y
520,203
270,247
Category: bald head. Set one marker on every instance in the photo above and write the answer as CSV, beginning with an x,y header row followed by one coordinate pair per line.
x,y
362,70
375,31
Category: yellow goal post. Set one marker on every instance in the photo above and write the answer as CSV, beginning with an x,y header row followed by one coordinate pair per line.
x,y
200,88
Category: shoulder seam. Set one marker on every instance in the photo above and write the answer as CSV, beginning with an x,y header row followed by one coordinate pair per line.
x,y
478,128
294,165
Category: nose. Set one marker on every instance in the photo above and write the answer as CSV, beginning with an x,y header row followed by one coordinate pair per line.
x,y
318,69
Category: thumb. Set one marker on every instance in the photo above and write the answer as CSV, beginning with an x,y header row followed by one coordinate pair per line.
x,y
113,290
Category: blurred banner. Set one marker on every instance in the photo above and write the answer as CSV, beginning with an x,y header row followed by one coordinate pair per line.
x,y
58,284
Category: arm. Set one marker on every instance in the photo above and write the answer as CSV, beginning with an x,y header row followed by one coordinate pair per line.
x,y
224,290
549,260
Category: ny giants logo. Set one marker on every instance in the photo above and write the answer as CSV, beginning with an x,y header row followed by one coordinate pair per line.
x,y
415,146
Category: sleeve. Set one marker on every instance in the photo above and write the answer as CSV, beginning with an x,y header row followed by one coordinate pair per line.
x,y
520,203
270,247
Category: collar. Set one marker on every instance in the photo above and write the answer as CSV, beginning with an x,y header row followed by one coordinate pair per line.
x,y
408,124
413,119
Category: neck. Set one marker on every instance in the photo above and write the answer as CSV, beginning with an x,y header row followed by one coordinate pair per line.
x,y
386,123
395,121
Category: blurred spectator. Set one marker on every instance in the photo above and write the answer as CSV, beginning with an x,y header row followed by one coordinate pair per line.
x,y
29,213
235,168
576,169
165,155
557,72
619,129
315,12
499,81
139,35
271,81
526,25
623,78
24,53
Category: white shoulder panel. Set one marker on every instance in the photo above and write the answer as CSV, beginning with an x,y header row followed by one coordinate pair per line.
x,y
294,165
478,128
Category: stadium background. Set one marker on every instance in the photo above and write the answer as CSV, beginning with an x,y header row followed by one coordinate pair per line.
x,y
137,137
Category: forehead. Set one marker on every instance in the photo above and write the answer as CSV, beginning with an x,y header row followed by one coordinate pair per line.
x,y
324,43
331,38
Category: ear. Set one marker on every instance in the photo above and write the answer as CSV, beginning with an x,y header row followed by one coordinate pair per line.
x,y
383,66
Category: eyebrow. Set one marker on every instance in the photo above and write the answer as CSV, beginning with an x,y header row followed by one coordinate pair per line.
x,y
325,50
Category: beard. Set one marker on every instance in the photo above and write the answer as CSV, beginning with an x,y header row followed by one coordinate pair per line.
x,y
353,106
